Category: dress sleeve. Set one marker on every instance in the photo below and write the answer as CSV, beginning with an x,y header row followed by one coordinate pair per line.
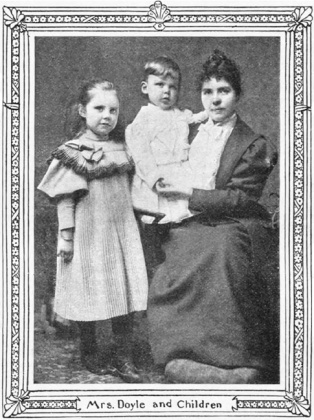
x,y
61,180
66,212
138,141
245,186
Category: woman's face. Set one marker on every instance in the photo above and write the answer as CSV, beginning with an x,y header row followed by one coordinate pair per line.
x,y
219,99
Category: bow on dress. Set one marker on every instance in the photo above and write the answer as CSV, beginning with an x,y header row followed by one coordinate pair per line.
x,y
90,153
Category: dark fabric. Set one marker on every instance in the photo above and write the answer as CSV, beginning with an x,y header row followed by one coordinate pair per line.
x,y
122,325
122,328
241,177
88,337
212,308
152,237
214,297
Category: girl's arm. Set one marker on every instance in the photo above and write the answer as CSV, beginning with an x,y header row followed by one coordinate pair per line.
x,y
66,220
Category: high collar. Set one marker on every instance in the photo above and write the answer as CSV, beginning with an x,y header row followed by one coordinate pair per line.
x,y
228,122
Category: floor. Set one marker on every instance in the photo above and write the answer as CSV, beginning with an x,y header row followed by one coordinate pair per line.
x,y
57,357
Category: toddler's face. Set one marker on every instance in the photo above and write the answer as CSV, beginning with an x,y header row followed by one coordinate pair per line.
x,y
162,91
102,111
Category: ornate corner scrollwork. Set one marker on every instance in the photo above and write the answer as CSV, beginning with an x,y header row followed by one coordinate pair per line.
x,y
302,16
14,18
159,13
297,405
14,405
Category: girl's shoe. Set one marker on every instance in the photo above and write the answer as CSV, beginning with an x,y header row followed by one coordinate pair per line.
x,y
127,371
93,363
122,327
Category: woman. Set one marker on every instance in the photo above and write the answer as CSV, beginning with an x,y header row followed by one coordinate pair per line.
x,y
209,308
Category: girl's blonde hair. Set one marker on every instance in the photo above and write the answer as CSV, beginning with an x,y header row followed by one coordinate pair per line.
x,y
74,123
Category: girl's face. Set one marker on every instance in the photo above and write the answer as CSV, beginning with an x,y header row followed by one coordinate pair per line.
x,y
101,112
219,99
162,91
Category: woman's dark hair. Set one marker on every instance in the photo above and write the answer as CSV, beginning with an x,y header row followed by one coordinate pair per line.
x,y
219,66
74,122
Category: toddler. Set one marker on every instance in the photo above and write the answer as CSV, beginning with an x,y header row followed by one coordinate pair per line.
x,y
158,142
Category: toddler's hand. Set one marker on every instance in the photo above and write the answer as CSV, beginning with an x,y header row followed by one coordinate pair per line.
x,y
65,247
201,116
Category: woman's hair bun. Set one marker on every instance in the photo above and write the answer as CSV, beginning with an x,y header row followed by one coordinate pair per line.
x,y
218,56
215,59
219,66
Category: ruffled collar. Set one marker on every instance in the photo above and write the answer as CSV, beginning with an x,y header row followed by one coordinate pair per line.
x,y
94,150
93,158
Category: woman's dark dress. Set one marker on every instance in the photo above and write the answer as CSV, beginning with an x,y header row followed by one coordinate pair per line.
x,y
210,300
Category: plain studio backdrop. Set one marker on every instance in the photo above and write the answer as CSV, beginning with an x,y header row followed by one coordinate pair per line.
x,y
61,64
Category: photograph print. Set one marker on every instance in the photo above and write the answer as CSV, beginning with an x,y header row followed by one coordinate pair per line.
x,y
157,204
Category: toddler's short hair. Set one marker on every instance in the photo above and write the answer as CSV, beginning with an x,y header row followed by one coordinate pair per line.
x,y
162,66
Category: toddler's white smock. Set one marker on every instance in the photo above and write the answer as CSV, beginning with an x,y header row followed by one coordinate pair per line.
x,y
158,143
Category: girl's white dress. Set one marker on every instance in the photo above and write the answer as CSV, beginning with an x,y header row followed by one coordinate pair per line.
x,y
158,142
107,275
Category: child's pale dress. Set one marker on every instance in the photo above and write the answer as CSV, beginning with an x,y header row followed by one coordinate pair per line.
x,y
107,275
158,143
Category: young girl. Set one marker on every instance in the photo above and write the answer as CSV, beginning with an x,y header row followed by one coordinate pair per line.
x,y
101,271
158,141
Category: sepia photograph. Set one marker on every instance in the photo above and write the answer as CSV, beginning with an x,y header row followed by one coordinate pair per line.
x,y
156,211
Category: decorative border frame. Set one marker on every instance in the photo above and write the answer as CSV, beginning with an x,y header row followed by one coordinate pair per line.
x,y
18,23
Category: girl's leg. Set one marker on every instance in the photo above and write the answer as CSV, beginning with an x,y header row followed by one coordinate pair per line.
x,y
88,344
122,328
89,352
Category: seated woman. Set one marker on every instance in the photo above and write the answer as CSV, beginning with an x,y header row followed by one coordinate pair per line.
x,y
209,309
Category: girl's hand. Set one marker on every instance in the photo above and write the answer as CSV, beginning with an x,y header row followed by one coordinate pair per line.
x,y
65,245
65,249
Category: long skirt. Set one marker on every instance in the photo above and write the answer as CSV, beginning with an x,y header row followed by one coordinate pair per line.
x,y
213,299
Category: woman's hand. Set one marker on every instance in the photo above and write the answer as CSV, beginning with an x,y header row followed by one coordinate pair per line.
x,y
65,245
173,190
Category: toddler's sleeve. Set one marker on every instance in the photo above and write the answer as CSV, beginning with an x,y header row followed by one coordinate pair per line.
x,y
137,139
196,118
61,180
